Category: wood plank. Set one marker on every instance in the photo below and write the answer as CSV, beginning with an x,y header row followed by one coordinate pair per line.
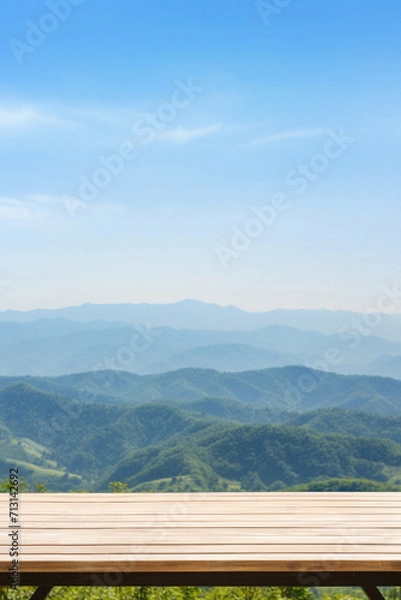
x,y
200,548
218,562
206,532
82,522
330,498
103,538
216,496
194,517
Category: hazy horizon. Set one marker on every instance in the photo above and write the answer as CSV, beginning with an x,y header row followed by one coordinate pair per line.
x,y
370,310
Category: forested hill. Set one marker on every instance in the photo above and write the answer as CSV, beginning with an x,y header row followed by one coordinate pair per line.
x,y
172,446
259,458
279,389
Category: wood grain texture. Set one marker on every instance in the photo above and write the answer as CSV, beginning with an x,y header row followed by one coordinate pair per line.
x,y
206,532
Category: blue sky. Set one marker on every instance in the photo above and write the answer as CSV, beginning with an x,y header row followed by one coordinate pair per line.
x,y
141,142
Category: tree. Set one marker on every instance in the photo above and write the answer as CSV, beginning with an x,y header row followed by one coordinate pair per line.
x,y
6,485
40,488
297,593
118,487
190,593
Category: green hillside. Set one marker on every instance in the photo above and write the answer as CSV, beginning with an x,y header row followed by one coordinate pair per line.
x,y
260,458
285,389
209,443
82,439
351,422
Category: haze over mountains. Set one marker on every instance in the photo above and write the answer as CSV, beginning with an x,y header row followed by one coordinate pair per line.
x,y
148,338
193,314
192,396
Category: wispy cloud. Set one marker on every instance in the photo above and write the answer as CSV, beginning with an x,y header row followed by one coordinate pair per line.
x,y
112,121
118,116
31,207
183,135
28,116
286,135
42,199
22,117
115,121
11,208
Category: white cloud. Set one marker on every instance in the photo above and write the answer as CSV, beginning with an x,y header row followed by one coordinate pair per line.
x,y
32,207
286,135
11,208
112,121
43,199
119,116
22,117
182,135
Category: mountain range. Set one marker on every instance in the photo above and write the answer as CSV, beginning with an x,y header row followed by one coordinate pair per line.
x,y
278,390
199,429
192,396
193,314
122,348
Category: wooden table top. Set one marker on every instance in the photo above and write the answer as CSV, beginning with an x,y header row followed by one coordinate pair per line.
x,y
288,533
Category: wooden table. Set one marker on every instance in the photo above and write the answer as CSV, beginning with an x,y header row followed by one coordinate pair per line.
x,y
266,539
